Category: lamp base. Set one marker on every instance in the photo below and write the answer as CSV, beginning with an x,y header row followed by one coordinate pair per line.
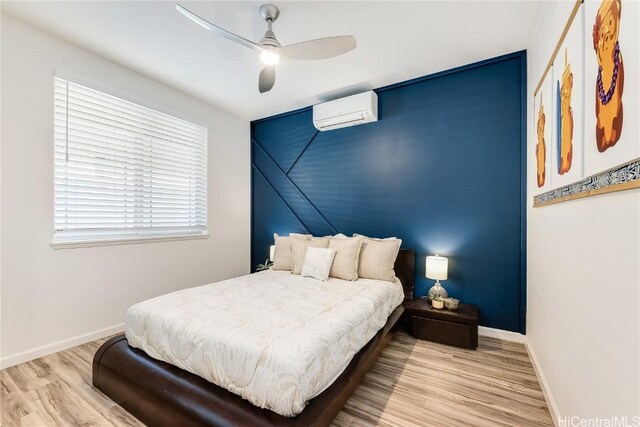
x,y
437,291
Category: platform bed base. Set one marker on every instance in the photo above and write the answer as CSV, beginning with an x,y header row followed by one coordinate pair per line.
x,y
160,394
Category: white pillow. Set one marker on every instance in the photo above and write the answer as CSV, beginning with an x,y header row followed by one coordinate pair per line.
x,y
385,239
317,263
299,250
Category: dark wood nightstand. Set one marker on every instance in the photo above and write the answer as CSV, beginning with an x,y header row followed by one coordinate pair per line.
x,y
458,328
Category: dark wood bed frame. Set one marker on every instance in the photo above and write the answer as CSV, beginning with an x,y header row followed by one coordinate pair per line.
x,y
160,394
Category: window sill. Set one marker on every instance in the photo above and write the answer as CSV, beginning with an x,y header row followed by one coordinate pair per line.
x,y
72,244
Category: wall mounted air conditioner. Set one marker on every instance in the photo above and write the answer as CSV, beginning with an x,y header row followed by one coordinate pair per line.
x,y
349,111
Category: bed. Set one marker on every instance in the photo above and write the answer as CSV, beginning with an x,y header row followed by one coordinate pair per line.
x,y
266,387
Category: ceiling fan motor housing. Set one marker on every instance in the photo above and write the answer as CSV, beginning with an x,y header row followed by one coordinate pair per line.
x,y
269,39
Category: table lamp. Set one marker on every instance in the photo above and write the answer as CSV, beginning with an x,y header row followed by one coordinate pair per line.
x,y
436,268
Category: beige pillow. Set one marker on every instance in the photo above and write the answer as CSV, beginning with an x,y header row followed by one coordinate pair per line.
x,y
377,258
282,253
345,264
299,250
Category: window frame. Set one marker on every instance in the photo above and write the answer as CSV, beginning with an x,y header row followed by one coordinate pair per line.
x,y
70,239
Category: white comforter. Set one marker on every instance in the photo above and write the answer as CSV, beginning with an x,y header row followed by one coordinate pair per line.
x,y
274,338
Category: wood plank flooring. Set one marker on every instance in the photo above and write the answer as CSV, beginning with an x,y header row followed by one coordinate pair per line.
x,y
414,383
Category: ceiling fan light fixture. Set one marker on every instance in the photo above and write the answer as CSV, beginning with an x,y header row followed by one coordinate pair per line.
x,y
269,58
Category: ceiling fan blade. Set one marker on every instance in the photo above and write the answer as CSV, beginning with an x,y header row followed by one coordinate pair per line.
x,y
324,48
218,30
267,78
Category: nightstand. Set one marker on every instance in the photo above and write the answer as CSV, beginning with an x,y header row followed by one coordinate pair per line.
x,y
458,328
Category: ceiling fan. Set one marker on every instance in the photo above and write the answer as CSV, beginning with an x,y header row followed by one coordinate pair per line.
x,y
270,49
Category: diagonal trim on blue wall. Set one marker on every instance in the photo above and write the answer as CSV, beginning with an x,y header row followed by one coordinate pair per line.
x,y
284,202
284,140
295,199
302,152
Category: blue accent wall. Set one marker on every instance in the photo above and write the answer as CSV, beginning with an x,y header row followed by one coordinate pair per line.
x,y
442,169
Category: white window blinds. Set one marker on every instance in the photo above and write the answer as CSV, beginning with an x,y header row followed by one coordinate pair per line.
x,y
123,171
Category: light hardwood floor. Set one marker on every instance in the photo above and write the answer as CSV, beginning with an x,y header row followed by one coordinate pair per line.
x,y
414,383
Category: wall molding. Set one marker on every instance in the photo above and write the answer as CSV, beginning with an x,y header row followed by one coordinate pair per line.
x,y
501,334
55,347
544,385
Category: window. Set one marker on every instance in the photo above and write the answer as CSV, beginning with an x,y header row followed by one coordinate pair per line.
x,y
123,171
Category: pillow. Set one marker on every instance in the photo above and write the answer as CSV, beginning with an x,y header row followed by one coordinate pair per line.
x,y
345,264
377,258
299,250
317,263
282,253
386,239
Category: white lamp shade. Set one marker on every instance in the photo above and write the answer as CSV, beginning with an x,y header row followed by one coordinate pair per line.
x,y
436,267
272,250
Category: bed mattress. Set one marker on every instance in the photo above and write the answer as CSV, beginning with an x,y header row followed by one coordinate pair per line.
x,y
274,338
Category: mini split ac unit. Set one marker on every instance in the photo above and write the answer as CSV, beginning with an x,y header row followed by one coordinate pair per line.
x,y
349,111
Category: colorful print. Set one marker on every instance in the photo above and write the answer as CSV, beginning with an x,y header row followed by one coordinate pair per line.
x,y
541,146
558,129
566,119
610,74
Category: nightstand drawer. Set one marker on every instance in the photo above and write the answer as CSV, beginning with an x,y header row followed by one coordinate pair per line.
x,y
441,331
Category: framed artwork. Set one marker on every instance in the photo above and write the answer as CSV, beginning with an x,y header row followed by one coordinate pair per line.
x,y
566,154
612,104
543,122
595,69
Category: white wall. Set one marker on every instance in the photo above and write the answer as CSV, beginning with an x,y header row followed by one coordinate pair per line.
x,y
587,351
50,298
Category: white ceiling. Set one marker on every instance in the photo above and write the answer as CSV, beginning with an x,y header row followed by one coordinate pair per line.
x,y
396,41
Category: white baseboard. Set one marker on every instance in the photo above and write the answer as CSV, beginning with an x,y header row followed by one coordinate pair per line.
x,y
546,391
59,346
501,334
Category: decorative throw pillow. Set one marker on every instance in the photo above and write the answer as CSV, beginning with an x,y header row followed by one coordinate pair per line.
x,y
299,250
378,257
317,263
282,253
345,264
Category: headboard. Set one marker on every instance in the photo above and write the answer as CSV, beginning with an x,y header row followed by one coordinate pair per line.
x,y
404,268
